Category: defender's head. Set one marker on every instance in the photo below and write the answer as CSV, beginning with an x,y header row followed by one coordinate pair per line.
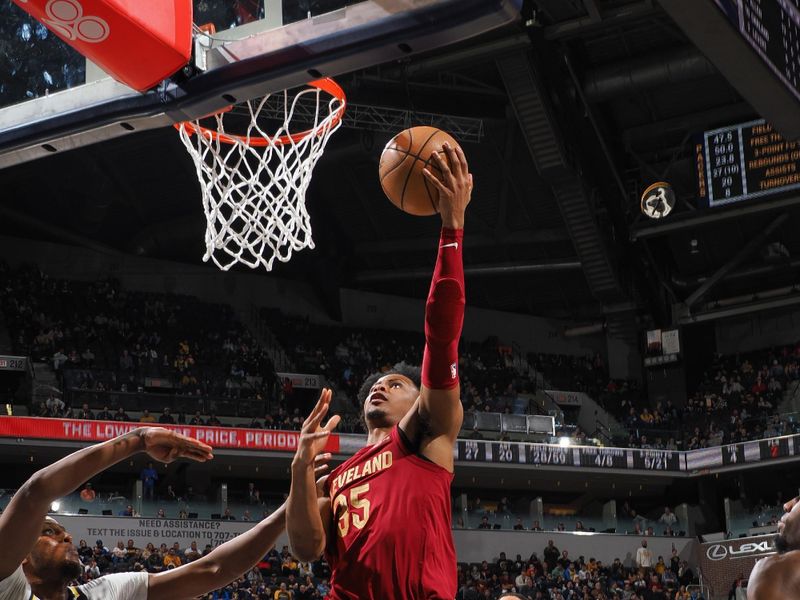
x,y
387,397
788,537
54,557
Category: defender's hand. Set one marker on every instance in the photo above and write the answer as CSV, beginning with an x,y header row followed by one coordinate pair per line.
x,y
313,435
165,446
454,185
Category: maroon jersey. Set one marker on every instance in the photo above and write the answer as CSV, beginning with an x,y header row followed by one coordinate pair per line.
x,y
391,537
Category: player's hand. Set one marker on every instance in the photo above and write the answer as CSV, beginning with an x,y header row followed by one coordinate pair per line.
x,y
313,435
165,445
454,184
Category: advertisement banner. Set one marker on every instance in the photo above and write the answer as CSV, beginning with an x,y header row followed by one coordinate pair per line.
x,y
13,363
301,380
145,530
99,431
723,562
565,398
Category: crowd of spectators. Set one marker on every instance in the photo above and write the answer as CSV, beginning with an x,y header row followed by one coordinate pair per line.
x,y
553,574
100,338
735,401
558,575
494,377
200,362
279,575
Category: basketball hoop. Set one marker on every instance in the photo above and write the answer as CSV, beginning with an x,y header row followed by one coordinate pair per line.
x,y
254,183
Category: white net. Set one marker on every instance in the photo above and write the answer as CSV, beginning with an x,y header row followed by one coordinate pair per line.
x,y
254,183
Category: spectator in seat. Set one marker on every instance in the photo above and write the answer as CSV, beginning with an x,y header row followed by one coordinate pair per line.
x,y
668,518
118,554
104,415
91,570
121,415
485,523
149,477
171,559
196,420
192,553
227,516
518,526
644,556
85,413
166,417
551,554
127,511
147,417
283,593
134,554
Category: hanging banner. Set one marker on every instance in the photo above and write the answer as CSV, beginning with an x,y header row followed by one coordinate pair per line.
x,y
99,431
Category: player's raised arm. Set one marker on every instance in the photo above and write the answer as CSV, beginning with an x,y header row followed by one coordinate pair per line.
x,y
440,406
226,562
22,520
306,513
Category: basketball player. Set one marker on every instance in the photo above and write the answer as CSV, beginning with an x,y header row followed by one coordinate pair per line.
x,y
384,524
778,576
38,559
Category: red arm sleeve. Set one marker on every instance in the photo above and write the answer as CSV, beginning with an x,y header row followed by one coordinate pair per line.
x,y
444,314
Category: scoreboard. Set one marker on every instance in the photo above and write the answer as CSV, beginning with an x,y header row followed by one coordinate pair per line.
x,y
772,28
745,161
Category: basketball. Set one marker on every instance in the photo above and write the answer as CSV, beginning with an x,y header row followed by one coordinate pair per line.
x,y
401,166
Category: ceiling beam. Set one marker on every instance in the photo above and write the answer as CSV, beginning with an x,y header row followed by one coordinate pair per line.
x,y
709,217
478,240
592,10
748,249
609,18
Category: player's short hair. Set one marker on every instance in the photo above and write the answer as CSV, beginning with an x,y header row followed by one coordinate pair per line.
x,y
402,368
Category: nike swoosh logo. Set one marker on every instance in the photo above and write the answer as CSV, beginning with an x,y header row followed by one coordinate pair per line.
x,y
453,245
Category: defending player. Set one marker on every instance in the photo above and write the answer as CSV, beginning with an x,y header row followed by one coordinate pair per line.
x,y
38,559
385,522
778,576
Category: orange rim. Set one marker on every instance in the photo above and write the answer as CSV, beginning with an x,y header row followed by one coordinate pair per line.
x,y
325,84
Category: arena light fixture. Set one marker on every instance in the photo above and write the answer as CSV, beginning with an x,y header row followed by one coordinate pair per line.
x,y
564,441
54,506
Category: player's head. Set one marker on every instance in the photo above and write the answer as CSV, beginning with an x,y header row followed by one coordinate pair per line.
x,y
788,537
387,397
513,596
54,557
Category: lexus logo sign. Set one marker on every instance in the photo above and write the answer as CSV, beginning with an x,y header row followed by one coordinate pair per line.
x,y
723,551
717,552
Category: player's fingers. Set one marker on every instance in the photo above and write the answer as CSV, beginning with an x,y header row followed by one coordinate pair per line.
x,y
441,162
321,459
462,159
332,423
435,181
319,410
453,160
317,435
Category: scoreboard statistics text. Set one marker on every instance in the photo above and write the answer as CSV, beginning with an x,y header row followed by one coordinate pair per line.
x,y
745,161
772,28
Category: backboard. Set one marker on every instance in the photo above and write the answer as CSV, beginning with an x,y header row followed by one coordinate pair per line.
x,y
53,100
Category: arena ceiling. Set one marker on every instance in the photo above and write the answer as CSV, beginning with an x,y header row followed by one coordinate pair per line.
x,y
583,104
